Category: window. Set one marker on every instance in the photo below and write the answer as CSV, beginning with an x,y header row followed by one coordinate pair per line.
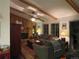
x,y
55,29
45,29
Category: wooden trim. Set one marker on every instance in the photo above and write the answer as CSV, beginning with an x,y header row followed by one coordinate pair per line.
x,y
73,4
28,3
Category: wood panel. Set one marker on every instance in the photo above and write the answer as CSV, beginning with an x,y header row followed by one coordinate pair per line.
x,y
27,24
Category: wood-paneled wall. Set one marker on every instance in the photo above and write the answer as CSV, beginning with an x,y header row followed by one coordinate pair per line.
x,y
27,24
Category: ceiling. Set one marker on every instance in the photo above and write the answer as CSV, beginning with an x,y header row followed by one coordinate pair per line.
x,y
55,8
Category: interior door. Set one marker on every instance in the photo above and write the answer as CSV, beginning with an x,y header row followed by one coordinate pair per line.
x,y
15,41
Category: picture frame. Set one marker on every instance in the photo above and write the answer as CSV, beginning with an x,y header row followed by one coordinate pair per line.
x,y
64,26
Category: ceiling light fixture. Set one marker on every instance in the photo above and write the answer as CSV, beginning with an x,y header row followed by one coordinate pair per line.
x,y
35,16
32,19
40,14
31,8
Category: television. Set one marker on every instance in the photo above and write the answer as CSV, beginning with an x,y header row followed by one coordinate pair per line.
x,y
24,35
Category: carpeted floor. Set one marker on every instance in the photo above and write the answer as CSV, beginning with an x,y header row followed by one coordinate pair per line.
x,y
29,53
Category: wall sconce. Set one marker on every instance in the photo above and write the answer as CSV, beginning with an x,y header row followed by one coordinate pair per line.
x,y
18,22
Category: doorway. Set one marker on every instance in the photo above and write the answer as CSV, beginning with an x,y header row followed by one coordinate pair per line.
x,y
74,34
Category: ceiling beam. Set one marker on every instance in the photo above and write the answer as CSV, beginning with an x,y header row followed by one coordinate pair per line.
x,y
73,4
18,11
25,14
39,9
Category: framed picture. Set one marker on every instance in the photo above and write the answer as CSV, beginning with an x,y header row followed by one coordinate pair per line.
x,y
64,26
